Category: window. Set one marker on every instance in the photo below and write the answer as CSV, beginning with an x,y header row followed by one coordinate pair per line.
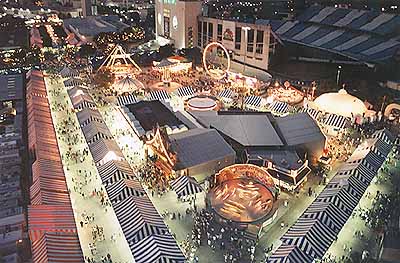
x,y
250,40
210,32
219,32
260,42
238,37
199,33
204,33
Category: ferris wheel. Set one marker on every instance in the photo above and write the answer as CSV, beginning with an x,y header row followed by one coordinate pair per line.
x,y
216,60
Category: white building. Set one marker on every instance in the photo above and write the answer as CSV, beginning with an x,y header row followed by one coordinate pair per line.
x,y
176,22
181,23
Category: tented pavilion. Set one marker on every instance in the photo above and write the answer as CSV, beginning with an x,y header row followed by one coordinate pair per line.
x,y
127,85
120,63
171,65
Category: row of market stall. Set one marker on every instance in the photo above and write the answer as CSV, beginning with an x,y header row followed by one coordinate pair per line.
x,y
316,229
51,223
144,229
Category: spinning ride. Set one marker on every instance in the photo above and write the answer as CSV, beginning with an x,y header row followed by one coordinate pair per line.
x,y
216,60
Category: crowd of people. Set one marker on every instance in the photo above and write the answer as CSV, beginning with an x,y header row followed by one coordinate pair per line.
x,y
237,244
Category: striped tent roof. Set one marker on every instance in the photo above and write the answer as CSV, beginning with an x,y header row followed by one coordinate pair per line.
x,y
289,254
50,218
336,121
185,92
72,82
310,235
126,100
57,248
279,107
123,189
158,95
102,147
115,171
226,94
185,185
253,101
96,130
88,115
158,249
46,190
138,218
67,72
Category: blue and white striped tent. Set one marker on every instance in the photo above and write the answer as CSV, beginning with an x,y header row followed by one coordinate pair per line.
x,y
158,249
114,171
289,254
336,121
123,189
185,92
158,95
316,229
226,94
138,218
126,99
279,108
315,114
184,186
311,236
253,101
72,82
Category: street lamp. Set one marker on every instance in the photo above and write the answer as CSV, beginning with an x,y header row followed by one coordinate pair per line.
x,y
246,29
338,74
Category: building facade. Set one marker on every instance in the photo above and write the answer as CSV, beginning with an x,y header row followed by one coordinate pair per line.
x,y
182,24
249,44
176,22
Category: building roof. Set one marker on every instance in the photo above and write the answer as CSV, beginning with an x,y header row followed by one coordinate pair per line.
x,y
199,146
91,26
151,113
288,159
11,87
246,129
299,129
365,36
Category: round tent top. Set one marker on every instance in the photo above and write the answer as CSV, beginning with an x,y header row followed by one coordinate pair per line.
x,y
341,103
127,84
165,63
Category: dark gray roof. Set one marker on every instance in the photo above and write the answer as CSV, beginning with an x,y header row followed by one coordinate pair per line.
x,y
11,87
247,129
199,146
299,129
288,159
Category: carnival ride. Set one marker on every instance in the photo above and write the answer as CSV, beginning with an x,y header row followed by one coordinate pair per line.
x,y
243,193
216,60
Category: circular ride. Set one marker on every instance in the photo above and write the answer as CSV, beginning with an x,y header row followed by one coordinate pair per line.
x,y
202,103
243,193
216,60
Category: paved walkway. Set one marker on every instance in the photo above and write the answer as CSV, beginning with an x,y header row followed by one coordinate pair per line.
x,y
74,171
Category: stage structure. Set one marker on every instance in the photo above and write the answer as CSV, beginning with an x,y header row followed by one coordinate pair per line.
x,y
120,63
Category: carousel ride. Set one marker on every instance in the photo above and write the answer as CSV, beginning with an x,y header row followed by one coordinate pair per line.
x,y
243,193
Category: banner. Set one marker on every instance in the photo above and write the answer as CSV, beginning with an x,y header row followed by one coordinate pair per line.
x,y
228,34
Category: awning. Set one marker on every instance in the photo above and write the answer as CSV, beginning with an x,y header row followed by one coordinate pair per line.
x,y
57,248
186,92
289,254
158,248
126,99
123,189
159,95
114,171
336,121
253,101
184,186
278,107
